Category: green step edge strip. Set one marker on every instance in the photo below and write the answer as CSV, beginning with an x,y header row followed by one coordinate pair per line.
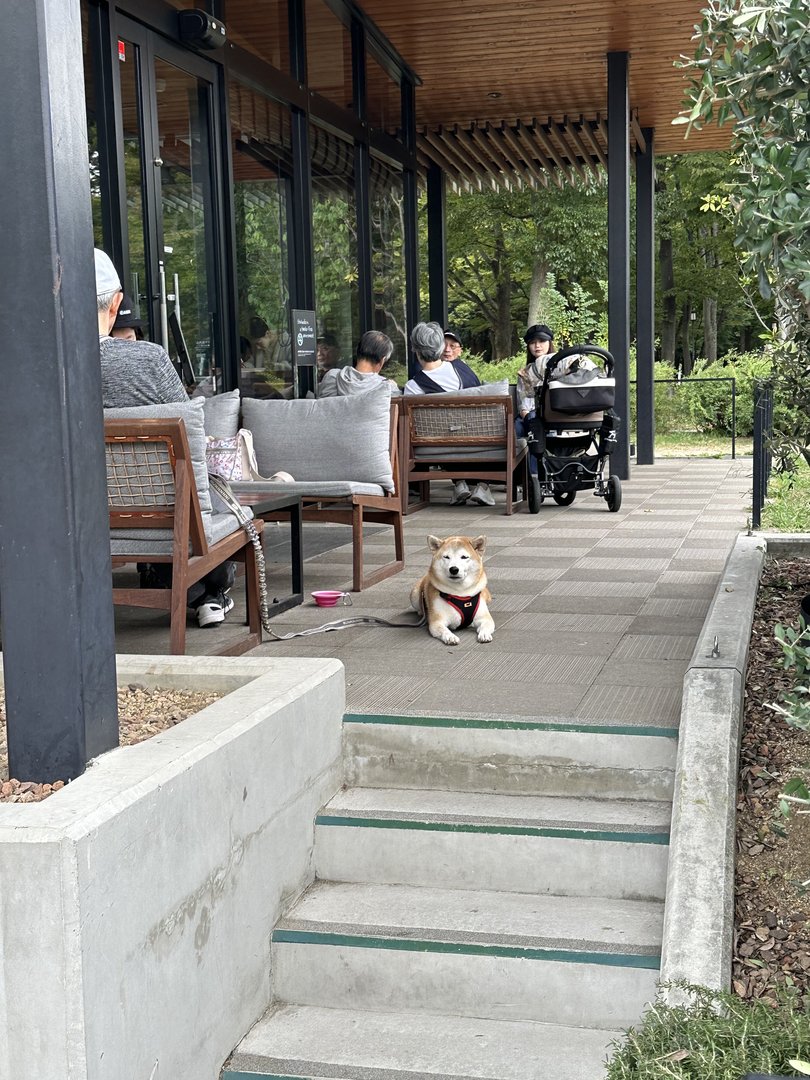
x,y
458,948
661,838
508,725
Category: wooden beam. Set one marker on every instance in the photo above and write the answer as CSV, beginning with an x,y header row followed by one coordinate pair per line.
x,y
554,130
435,149
522,155
641,142
466,141
497,135
592,141
538,152
581,149
454,152
495,154
542,141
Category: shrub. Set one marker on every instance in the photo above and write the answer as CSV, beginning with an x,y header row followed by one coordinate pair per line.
x,y
714,1036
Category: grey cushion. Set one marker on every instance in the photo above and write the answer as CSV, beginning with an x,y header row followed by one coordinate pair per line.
x,y
327,488
341,438
159,541
221,414
191,413
487,389
489,453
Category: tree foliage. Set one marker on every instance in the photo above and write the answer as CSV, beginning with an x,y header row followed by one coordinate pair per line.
x,y
751,67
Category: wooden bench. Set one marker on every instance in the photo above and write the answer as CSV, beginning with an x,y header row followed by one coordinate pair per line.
x,y
454,437
151,486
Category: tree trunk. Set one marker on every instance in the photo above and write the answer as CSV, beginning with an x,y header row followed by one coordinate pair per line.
x,y
686,353
710,329
502,328
539,276
669,321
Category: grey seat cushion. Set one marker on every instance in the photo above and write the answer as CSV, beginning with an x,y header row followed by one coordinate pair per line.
x,y
326,488
221,414
140,542
340,438
191,413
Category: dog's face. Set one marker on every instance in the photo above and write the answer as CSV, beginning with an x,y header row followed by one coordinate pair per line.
x,y
458,565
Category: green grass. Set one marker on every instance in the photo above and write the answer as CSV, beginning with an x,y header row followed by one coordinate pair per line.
x,y
714,1037
699,444
788,505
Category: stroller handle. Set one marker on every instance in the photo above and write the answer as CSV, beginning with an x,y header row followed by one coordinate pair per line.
x,y
575,350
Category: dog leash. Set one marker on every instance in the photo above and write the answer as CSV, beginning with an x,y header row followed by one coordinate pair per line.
x,y
223,490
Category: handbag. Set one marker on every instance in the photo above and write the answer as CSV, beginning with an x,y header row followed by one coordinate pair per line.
x,y
234,458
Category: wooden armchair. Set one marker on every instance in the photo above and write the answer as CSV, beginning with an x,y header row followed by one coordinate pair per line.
x,y
151,489
449,437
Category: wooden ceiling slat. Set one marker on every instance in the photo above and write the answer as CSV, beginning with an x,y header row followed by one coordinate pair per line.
x,y
493,152
498,135
436,151
592,141
523,134
536,131
559,137
463,140
641,142
572,131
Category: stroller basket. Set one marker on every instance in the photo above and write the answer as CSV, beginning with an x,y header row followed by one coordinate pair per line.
x,y
571,474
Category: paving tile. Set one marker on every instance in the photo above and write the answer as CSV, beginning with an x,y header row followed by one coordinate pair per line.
x,y
487,698
685,592
690,577
558,533
630,572
662,624
663,673
527,572
595,589
631,543
690,609
563,642
528,667
655,647
660,705
524,557
546,621
592,562
604,605
714,534
370,693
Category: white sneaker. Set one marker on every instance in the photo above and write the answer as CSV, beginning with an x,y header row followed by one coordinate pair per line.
x,y
213,609
482,495
461,493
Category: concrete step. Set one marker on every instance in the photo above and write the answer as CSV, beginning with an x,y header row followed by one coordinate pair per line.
x,y
511,843
510,756
341,1044
556,959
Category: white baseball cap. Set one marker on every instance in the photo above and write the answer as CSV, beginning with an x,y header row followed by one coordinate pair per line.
x,y
107,279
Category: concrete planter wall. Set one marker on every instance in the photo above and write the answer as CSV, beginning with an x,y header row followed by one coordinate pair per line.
x,y
136,905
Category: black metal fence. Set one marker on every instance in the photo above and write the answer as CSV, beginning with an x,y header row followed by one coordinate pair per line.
x,y
691,381
763,430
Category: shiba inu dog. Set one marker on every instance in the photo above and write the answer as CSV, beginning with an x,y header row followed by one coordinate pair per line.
x,y
453,593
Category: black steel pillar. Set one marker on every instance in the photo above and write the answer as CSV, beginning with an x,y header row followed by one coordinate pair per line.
x,y
55,575
302,284
619,248
645,300
411,209
437,244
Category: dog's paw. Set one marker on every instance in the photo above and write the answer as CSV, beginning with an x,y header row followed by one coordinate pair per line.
x,y
449,639
484,635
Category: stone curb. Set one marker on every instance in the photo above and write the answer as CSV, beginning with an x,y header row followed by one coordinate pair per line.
x,y
699,912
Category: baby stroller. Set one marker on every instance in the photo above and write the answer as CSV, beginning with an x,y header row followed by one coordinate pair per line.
x,y
574,430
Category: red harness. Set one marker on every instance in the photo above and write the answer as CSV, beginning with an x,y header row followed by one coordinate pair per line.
x,y
466,606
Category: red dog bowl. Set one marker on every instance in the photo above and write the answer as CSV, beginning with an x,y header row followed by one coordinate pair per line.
x,y
327,597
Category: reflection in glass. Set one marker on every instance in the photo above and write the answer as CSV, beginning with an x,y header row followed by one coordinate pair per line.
x,y
260,28
334,231
187,209
329,55
262,171
92,133
383,99
138,284
388,261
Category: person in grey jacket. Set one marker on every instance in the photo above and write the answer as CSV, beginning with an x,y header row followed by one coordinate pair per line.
x,y
141,373
374,350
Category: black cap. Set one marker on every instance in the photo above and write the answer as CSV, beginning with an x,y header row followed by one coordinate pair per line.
x,y
127,319
539,330
452,334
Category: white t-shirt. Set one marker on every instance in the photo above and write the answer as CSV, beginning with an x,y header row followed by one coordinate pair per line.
x,y
445,376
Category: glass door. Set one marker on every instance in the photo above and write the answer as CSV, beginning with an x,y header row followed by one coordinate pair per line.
x,y
170,172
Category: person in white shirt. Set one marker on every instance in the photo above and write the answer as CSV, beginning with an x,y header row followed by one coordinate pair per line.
x,y
439,376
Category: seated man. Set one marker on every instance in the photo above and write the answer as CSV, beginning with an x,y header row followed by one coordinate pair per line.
x,y
141,373
374,350
439,376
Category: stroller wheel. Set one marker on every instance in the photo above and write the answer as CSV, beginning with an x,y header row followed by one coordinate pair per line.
x,y
565,498
614,493
535,497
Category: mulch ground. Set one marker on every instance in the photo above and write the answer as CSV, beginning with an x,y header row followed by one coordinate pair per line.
x,y
142,713
772,913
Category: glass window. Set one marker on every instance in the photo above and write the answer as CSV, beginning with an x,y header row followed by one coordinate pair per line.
x,y
92,133
262,174
334,233
383,99
262,29
388,262
329,55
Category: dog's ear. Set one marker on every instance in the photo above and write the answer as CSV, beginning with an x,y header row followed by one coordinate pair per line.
x,y
434,543
479,544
